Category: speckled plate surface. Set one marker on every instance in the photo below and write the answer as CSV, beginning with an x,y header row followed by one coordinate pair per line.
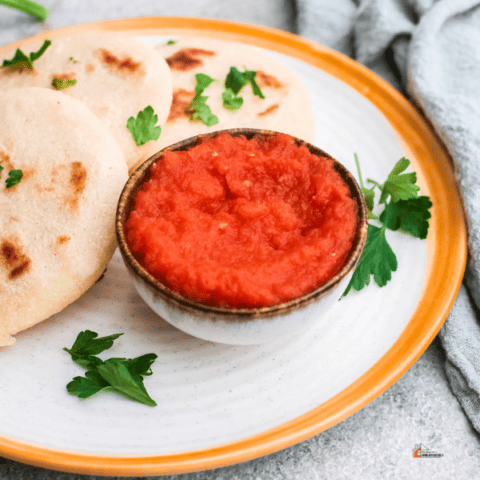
x,y
220,404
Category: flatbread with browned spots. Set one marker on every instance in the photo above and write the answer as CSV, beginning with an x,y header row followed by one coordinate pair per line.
x,y
286,108
57,225
116,76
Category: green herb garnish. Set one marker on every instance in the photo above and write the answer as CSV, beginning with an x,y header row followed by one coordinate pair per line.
x,y
234,82
71,59
171,42
121,375
230,100
377,259
144,128
20,60
410,216
399,187
14,178
59,84
405,211
198,106
1,168
33,9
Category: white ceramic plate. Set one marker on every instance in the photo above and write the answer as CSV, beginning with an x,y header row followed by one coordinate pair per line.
x,y
220,404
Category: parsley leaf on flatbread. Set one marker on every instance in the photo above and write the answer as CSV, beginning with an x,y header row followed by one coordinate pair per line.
x,y
14,178
234,82
21,60
59,84
144,128
230,100
198,106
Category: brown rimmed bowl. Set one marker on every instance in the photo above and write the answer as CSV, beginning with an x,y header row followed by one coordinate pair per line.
x,y
243,326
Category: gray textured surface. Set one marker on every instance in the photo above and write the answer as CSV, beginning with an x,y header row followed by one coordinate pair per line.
x,y
375,443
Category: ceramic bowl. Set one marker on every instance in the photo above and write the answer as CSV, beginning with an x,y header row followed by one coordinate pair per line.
x,y
229,325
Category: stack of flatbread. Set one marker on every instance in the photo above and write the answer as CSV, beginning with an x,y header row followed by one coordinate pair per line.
x,y
74,149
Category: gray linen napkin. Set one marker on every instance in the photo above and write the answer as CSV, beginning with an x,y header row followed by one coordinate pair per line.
x,y
430,50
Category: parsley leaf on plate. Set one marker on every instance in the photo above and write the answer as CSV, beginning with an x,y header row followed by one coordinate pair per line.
x,y
14,178
405,211
200,110
399,186
144,128
88,343
21,60
119,377
141,365
411,216
377,259
369,194
59,84
90,384
122,375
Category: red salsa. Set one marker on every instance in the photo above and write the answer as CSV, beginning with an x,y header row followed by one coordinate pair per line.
x,y
243,223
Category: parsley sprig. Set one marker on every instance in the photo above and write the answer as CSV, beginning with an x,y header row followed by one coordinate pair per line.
x,y
121,375
33,9
14,178
21,60
144,127
59,84
234,82
200,110
404,211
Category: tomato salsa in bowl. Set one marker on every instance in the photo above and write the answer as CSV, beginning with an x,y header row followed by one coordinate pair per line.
x,y
242,235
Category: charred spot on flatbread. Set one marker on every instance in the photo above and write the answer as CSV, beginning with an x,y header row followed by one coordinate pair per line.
x,y
270,109
13,257
125,65
90,67
188,58
5,161
265,80
16,69
180,102
63,76
78,180
62,239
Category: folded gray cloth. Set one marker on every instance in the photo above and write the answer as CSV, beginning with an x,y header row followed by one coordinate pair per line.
x,y
430,50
